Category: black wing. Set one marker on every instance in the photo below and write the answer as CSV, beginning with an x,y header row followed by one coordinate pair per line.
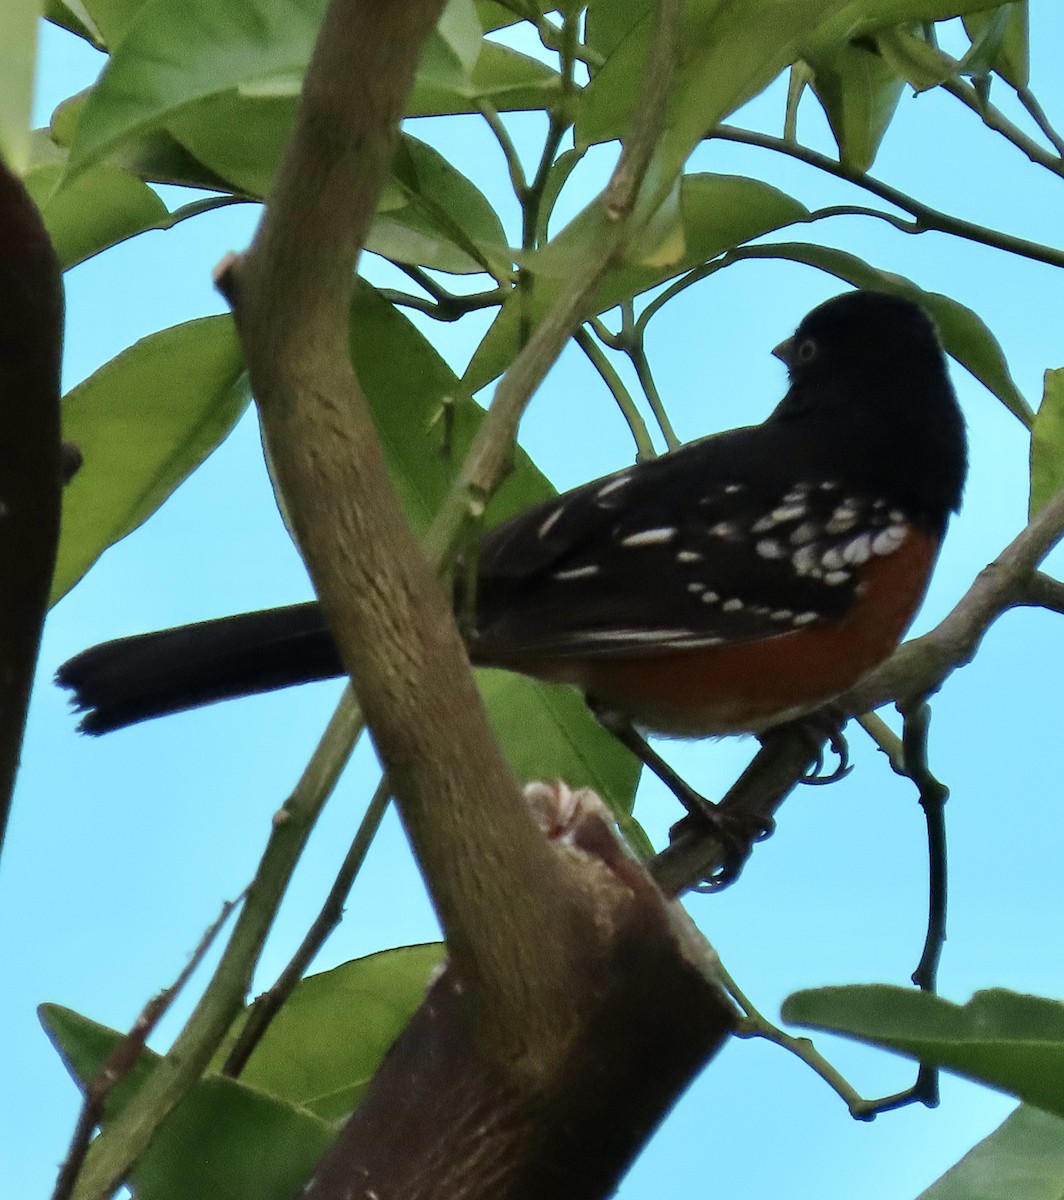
x,y
721,541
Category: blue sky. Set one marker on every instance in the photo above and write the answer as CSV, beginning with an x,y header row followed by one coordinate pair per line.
x,y
121,850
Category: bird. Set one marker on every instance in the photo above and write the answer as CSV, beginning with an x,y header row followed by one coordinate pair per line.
x,y
741,581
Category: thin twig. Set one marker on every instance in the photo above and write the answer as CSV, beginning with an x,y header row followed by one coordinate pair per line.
x,y
269,1004
640,434
110,1156
933,796
124,1057
920,666
506,144
1043,591
926,216
996,120
451,308
755,1025
487,462
1030,102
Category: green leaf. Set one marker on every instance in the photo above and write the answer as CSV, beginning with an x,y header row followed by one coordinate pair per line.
x,y
113,18
914,58
609,22
461,231
74,17
101,207
731,49
154,156
175,55
18,57
557,177
1006,49
964,334
1004,1039
1047,442
718,212
223,1141
859,92
431,215
1023,1159
326,1043
510,80
143,422
493,15
548,733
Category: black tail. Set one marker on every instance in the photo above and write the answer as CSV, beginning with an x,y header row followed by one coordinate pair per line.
x,y
150,675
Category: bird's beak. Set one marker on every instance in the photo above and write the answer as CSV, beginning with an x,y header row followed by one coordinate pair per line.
x,y
785,351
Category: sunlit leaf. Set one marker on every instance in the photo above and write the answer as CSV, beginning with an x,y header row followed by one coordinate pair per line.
x,y
175,55
323,1047
729,53
1047,442
859,92
102,206
74,17
223,1141
1007,51
143,422
18,58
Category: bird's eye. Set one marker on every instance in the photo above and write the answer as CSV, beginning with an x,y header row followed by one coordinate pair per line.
x,y
806,351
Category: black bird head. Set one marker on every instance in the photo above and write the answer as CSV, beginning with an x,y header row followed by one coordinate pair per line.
x,y
871,364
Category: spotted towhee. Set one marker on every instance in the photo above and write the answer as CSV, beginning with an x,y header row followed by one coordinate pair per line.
x,y
733,584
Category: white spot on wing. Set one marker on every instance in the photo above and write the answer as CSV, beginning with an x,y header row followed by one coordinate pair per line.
x,y
808,531
577,573
733,605
770,548
781,614
835,577
688,556
859,550
842,520
724,529
710,597
831,559
650,537
550,522
611,486
889,539
804,618
788,512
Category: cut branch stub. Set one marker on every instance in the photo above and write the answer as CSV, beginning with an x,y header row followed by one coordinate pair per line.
x,y
443,1118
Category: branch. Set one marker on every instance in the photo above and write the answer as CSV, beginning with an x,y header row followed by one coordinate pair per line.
x,y
486,464
119,1146
269,1004
922,665
927,217
917,668
124,1057
993,118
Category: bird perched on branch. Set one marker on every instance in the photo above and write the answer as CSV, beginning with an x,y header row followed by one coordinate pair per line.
x,y
738,582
